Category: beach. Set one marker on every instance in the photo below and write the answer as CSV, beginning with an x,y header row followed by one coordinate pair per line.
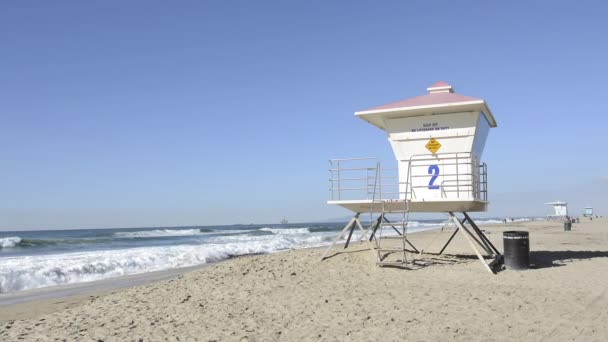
x,y
292,296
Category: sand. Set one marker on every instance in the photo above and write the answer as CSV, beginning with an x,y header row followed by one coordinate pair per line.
x,y
291,296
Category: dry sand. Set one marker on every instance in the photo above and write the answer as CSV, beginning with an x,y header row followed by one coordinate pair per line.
x,y
291,296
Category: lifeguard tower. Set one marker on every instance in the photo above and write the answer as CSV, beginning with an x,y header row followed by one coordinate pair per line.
x,y
588,212
438,141
560,210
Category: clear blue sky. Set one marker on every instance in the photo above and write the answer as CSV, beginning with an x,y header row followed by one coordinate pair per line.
x,y
140,113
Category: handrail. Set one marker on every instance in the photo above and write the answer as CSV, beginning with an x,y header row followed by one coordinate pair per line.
x,y
464,177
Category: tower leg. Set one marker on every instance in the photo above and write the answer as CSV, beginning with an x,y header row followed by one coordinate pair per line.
x,y
363,234
376,226
482,236
469,236
449,240
451,237
339,237
350,235
350,227
409,243
395,229
400,233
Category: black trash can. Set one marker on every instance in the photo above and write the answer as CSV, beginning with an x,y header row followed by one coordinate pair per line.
x,y
517,250
568,226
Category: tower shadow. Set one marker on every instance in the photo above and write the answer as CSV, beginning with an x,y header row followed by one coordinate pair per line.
x,y
544,259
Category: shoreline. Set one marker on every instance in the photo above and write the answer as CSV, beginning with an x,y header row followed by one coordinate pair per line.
x,y
292,296
83,287
110,284
63,296
68,294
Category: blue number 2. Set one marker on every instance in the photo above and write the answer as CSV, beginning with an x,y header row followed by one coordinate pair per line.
x,y
433,170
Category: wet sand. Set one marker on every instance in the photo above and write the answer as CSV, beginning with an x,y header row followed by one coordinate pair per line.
x,y
32,303
292,296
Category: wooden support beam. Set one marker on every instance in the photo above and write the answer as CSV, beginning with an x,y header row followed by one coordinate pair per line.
x,y
387,221
481,235
350,234
451,237
409,243
482,241
482,245
363,232
433,239
400,233
378,222
339,237
449,240
485,247
469,237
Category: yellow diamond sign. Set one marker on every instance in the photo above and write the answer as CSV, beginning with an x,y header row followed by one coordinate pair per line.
x,y
433,145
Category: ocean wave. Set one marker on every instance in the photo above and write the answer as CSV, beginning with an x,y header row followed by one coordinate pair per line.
x,y
416,224
161,233
500,221
489,221
21,273
10,241
285,231
36,271
325,229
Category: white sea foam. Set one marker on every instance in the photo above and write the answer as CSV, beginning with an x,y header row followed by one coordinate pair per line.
x,y
416,224
286,231
499,221
10,241
489,221
158,233
28,272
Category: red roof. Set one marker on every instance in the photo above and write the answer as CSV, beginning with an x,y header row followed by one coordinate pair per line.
x,y
432,98
440,84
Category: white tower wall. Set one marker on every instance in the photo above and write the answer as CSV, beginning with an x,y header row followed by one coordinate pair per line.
x,y
438,139
452,172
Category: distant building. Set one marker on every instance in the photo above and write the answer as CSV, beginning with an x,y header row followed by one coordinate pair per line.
x,y
588,212
560,209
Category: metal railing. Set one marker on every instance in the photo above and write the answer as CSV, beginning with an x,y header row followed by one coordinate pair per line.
x,y
365,179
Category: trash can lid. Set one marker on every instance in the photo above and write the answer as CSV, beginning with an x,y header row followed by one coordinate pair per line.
x,y
515,234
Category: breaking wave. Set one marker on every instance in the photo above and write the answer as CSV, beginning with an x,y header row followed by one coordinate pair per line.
x,y
22,273
286,231
10,241
500,221
162,232
96,256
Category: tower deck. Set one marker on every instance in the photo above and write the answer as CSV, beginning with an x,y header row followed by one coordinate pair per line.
x,y
361,185
421,206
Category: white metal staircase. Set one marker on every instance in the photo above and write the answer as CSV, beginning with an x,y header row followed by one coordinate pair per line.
x,y
391,250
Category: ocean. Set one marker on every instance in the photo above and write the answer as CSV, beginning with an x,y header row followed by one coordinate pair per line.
x,y
35,259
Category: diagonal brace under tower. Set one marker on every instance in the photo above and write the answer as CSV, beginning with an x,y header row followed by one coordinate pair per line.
x,y
349,227
476,238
